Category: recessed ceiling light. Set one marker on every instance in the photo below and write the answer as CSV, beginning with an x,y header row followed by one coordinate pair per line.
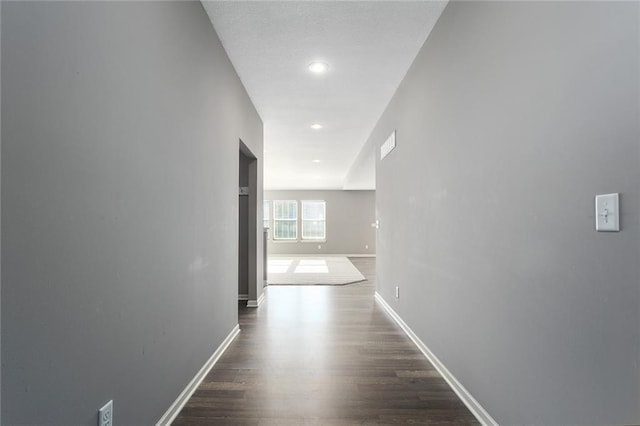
x,y
318,67
316,126
315,161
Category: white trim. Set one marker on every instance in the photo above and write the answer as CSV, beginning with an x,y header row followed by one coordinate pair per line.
x,y
243,297
175,408
256,303
474,406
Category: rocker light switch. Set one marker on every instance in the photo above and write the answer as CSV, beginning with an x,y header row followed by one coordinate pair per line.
x,y
607,217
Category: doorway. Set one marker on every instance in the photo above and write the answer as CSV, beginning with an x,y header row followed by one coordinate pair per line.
x,y
247,225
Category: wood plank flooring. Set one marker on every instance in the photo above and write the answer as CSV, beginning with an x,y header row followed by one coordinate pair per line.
x,y
323,355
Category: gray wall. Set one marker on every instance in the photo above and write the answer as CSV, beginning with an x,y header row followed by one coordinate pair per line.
x,y
512,118
121,125
349,218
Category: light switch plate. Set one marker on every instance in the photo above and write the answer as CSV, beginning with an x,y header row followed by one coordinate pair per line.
x,y
607,213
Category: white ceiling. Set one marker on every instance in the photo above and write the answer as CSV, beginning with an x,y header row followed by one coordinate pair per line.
x,y
369,47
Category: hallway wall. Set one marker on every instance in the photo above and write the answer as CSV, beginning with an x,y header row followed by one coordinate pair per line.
x,y
512,118
120,131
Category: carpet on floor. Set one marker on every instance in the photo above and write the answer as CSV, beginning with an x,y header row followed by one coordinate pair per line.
x,y
308,270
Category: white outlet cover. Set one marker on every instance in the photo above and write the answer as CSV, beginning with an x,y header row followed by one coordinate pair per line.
x,y
607,213
105,414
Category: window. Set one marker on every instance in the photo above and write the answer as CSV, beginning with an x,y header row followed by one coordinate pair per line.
x,y
285,220
265,214
313,220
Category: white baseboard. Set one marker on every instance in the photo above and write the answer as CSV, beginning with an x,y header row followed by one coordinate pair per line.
x,y
256,303
173,411
474,406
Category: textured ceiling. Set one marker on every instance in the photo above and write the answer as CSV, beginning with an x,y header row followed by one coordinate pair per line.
x,y
369,47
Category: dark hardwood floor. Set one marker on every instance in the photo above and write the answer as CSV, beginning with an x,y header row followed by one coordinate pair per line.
x,y
323,355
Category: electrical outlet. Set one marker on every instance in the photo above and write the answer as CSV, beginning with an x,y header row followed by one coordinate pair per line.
x,y
366,246
397,292
105,415
319,246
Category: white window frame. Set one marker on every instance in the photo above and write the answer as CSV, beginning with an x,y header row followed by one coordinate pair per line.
x,y
275,220
324,221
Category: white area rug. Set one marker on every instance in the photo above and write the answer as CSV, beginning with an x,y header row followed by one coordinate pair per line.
x,y
307,270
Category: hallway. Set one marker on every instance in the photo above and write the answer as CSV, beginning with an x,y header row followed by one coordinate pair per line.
x,y
323,355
